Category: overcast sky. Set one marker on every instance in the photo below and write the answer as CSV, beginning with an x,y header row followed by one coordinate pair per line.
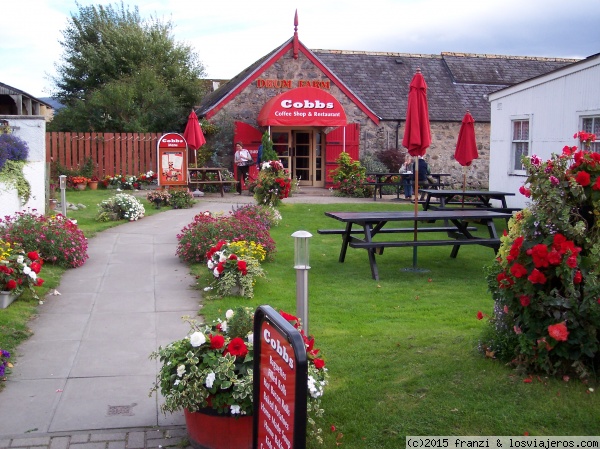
x,y
229,35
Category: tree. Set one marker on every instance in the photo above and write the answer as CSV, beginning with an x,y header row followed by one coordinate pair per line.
x,y
121,73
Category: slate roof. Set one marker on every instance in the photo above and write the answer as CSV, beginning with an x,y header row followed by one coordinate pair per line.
x,y
456,81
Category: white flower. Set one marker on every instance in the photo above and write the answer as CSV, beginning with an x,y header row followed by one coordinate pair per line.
x,y
20,259
210,265
33,275
235,409
180,370
224,326
26,270
222,257
251,338
216,272
210,378
206,289
177,382
229,314
197,339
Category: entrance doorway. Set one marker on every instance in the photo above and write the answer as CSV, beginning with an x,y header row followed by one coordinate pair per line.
x,y
301,151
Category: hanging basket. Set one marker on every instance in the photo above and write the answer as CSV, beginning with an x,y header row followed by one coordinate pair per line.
x,y
209,430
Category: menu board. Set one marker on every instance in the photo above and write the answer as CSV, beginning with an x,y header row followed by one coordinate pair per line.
x,y
280,384
172,160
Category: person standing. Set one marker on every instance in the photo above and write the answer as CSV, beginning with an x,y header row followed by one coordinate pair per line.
x,y
407,177
243,160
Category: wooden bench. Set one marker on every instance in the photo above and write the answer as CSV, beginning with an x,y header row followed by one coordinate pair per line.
x,y
395,230
378,247
202,176
221,184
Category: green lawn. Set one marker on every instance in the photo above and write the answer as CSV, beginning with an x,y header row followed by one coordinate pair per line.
x,y
401,352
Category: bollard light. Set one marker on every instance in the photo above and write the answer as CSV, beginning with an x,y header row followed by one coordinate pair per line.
x,y
301,264
63,194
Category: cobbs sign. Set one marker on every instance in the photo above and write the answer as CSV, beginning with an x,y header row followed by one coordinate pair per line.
x,y
304,106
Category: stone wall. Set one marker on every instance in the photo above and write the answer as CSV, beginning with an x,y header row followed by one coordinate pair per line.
x,y
373,138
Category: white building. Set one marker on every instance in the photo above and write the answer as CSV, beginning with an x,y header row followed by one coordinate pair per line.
x,y
539,116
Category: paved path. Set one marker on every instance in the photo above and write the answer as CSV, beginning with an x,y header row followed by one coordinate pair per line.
x,y
82,380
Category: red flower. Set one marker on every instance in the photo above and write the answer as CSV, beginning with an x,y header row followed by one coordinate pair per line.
x,y
33,255
319,363
504,281
242,266
39,282
583,178
525,191
518,270
479,315
577,278
572,261
525,300
527,380
288,316
35,267
596,185
539,254
237,347
558,331
11,284
554,257
217,341
220,267
537,277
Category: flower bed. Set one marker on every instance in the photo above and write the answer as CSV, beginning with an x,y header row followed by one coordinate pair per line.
x,y
19,270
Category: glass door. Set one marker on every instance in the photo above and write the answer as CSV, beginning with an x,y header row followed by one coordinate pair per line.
x,y
282,146
302,166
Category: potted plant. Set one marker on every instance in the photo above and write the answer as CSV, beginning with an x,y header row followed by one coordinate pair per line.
x,y
159,197
79,182
272,185
210,372
234,274
17,272
93,183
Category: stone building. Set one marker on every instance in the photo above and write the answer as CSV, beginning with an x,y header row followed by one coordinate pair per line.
x,y
282,93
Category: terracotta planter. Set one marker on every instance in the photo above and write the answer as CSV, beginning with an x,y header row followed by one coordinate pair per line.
x,y
52,203
93,185
209,430
6,298
81,186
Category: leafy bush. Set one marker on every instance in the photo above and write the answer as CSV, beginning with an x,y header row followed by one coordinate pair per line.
x,y
349,178
198,237
57,239
545,280
180,198
372,165
121,206
159,197
267,215
392,158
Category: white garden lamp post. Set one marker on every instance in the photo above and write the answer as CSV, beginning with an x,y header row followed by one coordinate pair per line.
x,y
301,255
63,194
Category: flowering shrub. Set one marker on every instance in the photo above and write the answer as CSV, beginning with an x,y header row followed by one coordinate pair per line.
x,y
213,368
19,270
159,197
123,182
57,239
75,180
545,280
248,249
180,198
272,185
349,178
4,363
147,178
269,216
120,206
230,270
13,157
12,148
198,237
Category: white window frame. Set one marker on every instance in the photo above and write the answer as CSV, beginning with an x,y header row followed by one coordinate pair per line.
x,y
595,116
513,144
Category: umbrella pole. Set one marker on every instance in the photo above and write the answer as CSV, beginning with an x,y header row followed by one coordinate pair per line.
x,y
464,184
416,212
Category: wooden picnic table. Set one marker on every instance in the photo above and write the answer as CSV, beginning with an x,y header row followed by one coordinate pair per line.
x,y
200,177
374,223
453,199
396,180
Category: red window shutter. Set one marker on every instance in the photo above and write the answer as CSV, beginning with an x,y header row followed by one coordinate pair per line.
x,y
335,145
251,138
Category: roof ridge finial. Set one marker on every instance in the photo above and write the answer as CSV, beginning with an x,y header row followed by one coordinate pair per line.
x,y
296,44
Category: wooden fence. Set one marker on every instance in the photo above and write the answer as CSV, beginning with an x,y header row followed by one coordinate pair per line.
x,y
112,153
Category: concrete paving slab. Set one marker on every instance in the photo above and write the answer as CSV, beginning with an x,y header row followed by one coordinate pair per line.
x,y
79,282
125,301
68,303
113,327
97,358
28,405
118,279
70,326
105,403
170,326
168,300
45,359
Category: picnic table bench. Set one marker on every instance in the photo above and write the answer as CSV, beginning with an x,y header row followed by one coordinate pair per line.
x,y
374,223
200,177
396,181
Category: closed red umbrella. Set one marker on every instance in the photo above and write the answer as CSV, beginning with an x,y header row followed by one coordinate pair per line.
x,y
466,146
417,133
193,134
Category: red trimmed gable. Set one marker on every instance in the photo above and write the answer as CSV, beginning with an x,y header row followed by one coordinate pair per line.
x,y
285,48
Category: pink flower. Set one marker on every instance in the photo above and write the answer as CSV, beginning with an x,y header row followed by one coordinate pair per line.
x,y
525,191
554,180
